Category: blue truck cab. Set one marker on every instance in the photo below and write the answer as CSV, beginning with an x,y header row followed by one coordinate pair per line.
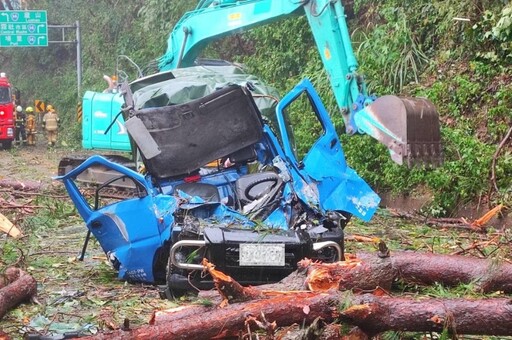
x,y
221,180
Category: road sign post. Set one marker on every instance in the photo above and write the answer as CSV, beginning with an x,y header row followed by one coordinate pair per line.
x,y
23,29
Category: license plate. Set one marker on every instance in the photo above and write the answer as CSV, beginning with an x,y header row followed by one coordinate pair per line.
x,y
261,254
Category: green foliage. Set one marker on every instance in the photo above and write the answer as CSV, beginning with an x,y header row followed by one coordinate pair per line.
x,y
9,253
503,28
495,32
467,163
456,53
392,52
283,52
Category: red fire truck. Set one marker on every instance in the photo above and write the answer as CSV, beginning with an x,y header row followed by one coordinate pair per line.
x,y
6,112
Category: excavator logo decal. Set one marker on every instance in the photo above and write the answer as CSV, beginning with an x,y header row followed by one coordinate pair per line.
x,y
99,114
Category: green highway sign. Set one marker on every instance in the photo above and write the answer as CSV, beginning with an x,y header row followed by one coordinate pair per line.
x,y
23,28
23,40
23,17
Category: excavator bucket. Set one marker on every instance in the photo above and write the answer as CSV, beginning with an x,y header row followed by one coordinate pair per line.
x,y
409,127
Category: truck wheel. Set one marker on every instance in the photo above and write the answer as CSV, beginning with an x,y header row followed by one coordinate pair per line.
x,y
7,145
173,276
173,292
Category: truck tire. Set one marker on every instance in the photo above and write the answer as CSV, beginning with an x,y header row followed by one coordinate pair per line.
x,y
172,292
174,274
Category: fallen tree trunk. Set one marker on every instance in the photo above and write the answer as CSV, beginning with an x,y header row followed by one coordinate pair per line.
x,y
372,314
451,270
375,314
367,271
11,274
18,185
208,322
20,287
270,306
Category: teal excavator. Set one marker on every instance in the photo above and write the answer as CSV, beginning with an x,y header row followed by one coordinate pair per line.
x,y
408,127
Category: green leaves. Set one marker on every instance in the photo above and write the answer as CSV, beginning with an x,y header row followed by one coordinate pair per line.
x,y
503,28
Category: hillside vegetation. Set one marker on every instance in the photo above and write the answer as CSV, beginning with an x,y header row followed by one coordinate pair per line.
x,y
457,53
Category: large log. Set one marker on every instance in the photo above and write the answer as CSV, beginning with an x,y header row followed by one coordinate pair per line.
x,y
371,313
22,288
18,185
367,271
459,316
209,322
10,275
451,270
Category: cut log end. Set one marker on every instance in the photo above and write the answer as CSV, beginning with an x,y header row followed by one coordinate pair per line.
x,y
21,287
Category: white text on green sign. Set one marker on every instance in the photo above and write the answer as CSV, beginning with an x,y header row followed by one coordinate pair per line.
x,y
23,17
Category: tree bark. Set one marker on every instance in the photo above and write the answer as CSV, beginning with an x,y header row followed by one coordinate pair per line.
x,y
460,316
11,274
18,185
270,306
209,322
372,314
367,271
451,270
22,288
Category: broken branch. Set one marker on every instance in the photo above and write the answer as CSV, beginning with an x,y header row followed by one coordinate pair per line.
x,y
22,288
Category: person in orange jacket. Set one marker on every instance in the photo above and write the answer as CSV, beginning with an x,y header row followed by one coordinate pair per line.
x,y
51,124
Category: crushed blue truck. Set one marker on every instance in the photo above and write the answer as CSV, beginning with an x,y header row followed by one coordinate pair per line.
x,y
217,170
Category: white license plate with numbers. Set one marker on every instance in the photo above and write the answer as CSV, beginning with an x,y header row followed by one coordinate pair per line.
x,y
261,254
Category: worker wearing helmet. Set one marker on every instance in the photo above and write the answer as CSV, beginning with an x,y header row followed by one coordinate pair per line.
x,y
21,118
51,124
31,126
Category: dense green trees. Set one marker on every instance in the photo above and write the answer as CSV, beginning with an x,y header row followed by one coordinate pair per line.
x,y
457,53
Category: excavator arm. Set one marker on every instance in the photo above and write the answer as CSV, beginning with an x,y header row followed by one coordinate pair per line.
x,y
409,127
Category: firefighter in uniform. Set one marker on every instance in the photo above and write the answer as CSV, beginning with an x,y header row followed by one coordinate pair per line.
x,y
20,121
51,125
31,126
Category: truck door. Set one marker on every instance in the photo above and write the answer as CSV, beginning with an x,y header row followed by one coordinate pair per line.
x,y
119,209
313,150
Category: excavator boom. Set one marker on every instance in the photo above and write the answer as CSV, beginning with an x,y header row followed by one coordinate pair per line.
x,y
408,127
